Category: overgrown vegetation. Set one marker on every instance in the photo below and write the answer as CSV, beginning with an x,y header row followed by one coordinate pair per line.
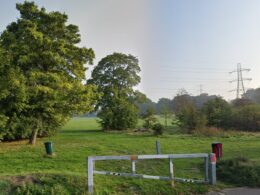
x,y
42,184
239,171
158,128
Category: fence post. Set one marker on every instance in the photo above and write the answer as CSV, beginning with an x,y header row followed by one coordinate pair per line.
x,y
206,164
171,172
158,147
213,160
90,175
133,166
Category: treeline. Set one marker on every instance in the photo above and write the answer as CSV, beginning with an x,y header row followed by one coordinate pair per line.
x,y
198,112
240,114
252,96
172,105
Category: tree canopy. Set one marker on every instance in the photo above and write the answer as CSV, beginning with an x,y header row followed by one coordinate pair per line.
x,y
42,73
115,76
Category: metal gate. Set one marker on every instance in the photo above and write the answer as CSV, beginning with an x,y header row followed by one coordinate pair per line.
x,y
209,167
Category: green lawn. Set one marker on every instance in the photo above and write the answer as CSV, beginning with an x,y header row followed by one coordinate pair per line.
x,y
82,137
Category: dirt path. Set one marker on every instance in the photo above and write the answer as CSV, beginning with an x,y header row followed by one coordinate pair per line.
x,y
237,191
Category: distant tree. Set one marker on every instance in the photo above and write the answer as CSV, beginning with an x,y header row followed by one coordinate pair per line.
x,y
201,99
41,77
241,102
164,108
143,106
190,117
149,118
253,95
246,118
166,113
218,112
162,104
115,76
180,100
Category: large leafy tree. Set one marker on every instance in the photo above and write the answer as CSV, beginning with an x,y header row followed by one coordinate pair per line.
x,y
115,76
42,74
218,112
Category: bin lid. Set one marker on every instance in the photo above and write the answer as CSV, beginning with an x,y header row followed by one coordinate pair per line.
x,y
216,143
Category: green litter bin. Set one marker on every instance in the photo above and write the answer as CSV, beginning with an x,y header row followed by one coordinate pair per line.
x,y
48,148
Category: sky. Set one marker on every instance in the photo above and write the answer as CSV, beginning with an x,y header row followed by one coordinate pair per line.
x,y
179,43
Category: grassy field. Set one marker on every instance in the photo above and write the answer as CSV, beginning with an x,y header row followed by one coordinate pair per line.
x,y
24,169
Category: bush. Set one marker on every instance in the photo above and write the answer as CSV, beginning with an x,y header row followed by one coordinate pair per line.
x,y
208,131
246,118
191,118
120,115
149,118
239,171
158,129
218,113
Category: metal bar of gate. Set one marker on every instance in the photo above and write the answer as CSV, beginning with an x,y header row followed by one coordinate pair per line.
x,y
133,158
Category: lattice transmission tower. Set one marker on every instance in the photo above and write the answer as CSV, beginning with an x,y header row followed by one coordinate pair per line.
x,y
240,80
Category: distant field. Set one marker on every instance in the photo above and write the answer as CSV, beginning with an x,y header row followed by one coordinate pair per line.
x,y
82,137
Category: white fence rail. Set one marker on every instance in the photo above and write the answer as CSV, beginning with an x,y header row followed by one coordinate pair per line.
x,y
209,167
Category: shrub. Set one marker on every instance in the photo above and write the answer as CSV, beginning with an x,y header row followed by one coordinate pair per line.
x,y
158,129
191,118
246,118
239,171
149,118
208,131
218,112
120,115
241,102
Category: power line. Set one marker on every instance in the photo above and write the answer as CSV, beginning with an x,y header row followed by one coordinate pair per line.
x,y
194,71
193,80
195,68
240,80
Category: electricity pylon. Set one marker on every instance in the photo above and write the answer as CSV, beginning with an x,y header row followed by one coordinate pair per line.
x,y
240,80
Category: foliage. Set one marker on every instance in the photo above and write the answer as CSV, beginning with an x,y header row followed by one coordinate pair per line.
x,y
173,105
246,118
158,128
115,76
120,114
180,101
253,95
208,131
239,171
164,104
241,102
191,118
41,76
149,118
217,111
143,106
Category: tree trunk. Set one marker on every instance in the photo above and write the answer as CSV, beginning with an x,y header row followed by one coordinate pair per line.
x,y
33,137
